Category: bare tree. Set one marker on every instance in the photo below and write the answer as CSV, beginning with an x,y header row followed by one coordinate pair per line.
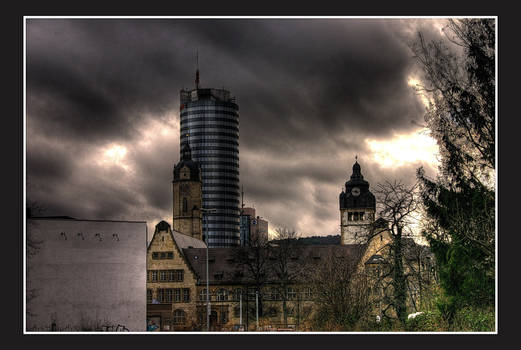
x,y
419,273
254,260
340,290
398,205
286,267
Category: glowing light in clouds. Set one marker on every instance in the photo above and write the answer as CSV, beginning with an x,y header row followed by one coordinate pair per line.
x,y
115,154
416,84
404,149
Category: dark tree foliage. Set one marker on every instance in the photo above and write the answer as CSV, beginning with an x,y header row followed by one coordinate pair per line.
x,y
460,203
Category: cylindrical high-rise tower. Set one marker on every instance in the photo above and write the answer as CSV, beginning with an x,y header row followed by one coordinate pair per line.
x,y
210,123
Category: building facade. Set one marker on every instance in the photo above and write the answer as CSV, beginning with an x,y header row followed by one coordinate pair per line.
x,y
252,226
85,275
210,124
178,271
170,282
187,195
357,208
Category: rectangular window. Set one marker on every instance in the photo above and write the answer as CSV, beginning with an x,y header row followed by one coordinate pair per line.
x,y
179,274
154,276
168,295
155,255
186,295
350,217
170,255
160,295
274,294
224,316
149,273
291,294
163,275
149,296
163,255
177,295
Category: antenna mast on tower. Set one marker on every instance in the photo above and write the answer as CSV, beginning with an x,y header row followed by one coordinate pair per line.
x,y
197,70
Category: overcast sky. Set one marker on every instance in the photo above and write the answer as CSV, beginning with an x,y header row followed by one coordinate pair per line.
x,y
102,122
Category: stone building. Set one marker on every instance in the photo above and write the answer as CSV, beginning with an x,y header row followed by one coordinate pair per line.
x,y
187,195
171,283
357,208
176,286
177,266
418,264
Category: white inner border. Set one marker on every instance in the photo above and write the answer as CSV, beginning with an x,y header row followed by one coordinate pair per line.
x,y
242,17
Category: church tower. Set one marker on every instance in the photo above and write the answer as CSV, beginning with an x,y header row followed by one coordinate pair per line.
x,y
187,189
357,208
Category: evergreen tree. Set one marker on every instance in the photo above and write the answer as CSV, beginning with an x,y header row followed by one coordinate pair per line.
x,y
460,203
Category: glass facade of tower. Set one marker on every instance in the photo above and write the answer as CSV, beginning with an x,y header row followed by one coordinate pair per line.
x,y
210,123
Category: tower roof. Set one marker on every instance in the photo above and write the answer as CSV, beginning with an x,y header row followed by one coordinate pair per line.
x,y
364,198
186,160
357,179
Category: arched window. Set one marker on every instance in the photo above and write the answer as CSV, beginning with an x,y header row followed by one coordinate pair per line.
x,y
179,317
185,205
222,295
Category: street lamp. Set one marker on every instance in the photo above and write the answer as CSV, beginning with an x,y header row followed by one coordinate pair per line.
x,y
204,210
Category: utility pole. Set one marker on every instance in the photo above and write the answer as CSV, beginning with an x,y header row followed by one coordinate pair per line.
x,y
257,307
240,308
208,307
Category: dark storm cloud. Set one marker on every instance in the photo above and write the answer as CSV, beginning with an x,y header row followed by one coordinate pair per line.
x,y
309,91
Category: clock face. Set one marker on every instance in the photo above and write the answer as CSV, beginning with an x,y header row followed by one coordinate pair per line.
x,y
355,191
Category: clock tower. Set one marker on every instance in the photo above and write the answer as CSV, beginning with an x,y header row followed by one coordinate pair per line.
x,y
357,209
187,190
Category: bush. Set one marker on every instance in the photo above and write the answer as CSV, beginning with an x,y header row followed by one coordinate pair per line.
x,y
429,321
472,319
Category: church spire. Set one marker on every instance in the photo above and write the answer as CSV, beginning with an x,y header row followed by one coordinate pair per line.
x,y
357,172
186,152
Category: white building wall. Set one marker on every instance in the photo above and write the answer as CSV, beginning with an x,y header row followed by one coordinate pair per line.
x,y
80,280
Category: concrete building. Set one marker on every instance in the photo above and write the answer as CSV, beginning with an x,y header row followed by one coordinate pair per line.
x,y
85,275
252,225
210,124
357,208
